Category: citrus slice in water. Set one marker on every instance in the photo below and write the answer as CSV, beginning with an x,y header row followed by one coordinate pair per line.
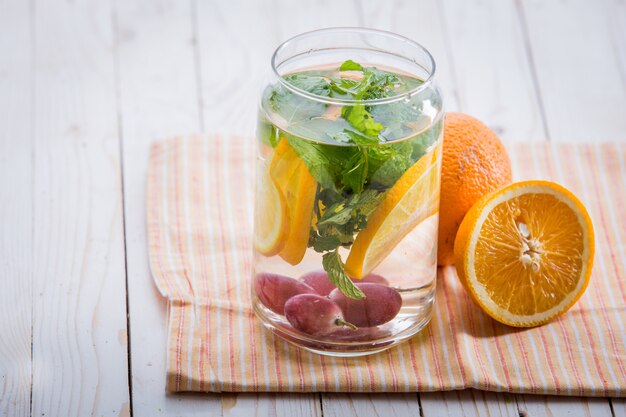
x,y
272,216
413,198
296,183
524,253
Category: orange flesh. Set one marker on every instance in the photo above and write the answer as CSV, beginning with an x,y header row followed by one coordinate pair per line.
x,y
413,198
298,186
530,244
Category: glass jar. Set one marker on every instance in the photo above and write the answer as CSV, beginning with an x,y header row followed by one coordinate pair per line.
x,y
347,198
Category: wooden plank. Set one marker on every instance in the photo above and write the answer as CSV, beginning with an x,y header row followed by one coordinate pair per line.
x,y
615,10
618,405
274,405
242,48
158,98
233,57
560,59
578,71
16,258
79,315
235,53
491,67
468,403
548,406
365,405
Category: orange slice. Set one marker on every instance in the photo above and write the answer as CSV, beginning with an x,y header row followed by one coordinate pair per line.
x,y
524,253
296,183
413,198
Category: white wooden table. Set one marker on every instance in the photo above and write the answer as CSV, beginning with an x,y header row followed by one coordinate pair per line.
x,y
87,85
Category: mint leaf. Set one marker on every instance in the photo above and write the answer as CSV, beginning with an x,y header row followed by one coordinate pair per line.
x,y
388,163
396,117
348,136
350,65
295,108
316,160
382,84
338,215
335,268
355,172
362,120
368,201
343,217
313,84
325,243
267,132
351,89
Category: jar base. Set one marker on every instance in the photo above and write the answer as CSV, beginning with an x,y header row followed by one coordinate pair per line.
x,y
341,349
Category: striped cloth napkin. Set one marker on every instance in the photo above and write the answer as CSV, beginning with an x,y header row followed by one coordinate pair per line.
x,y
200,199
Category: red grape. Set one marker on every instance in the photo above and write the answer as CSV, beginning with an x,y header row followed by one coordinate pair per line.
x,y
274,290
373,278
380,305
319,281
314,314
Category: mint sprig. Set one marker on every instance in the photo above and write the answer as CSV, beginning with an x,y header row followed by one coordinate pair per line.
x,y
335,268
352,180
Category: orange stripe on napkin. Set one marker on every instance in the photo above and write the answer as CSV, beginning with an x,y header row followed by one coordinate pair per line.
x,y
200,195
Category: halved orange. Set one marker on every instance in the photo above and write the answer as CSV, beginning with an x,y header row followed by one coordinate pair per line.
x,y
296,183
271,216
525,252
413,198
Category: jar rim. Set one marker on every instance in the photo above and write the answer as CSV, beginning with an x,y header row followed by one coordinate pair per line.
x,y
427,82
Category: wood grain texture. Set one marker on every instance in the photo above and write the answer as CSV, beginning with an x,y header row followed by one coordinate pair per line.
x,y
490,63
270,405
234,47
79,314
618,406
366,405
468,403
158,98
234,53
16,195
580,79
549,406
73,73
615,10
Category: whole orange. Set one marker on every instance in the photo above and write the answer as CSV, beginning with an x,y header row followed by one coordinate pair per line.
x,y
474,163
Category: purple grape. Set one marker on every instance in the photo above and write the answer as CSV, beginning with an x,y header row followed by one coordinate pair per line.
x,y
374,279
318,280
380,305
314,314
274,290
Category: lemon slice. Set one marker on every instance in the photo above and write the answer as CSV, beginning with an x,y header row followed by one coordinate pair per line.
x,y
271,216
413,198
296,183
525,253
